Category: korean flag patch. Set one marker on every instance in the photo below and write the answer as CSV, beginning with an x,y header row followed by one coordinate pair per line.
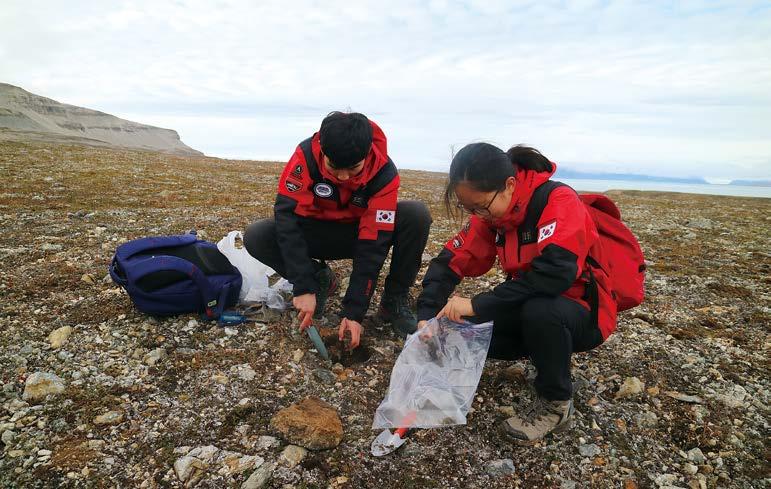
x,y
546,231
385,217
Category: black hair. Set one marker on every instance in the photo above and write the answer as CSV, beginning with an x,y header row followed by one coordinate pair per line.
x,y
486,167
345,138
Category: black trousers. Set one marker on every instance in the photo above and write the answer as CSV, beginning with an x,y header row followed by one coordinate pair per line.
x,y
330,240
547,330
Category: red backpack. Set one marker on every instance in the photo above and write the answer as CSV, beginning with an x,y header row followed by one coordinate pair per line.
x,y
622,253
621,249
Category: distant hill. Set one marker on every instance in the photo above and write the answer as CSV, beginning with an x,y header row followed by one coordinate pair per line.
x,y
568,173
26,116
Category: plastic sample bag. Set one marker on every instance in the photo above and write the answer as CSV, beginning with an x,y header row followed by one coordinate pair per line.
x,y
436,375
255,287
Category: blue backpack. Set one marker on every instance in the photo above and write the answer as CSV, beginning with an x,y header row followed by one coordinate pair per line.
x,y
176,274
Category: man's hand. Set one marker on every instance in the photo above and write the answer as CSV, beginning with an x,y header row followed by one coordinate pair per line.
x,y
424,334
354,327
456,308
306,306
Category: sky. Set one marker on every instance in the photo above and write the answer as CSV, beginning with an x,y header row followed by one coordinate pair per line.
x,y
656,87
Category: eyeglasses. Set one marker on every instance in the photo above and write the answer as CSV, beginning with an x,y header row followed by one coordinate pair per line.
x,y
479,211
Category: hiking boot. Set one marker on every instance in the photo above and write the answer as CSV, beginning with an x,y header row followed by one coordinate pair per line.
x,y
395,309
542,417
327,286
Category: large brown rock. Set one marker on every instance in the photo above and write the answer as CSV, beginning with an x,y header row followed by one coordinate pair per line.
x,y
311,423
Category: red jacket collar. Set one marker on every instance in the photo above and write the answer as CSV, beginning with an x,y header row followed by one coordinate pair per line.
x,y
375,160
527,182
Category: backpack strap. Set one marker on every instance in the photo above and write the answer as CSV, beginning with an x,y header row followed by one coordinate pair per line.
x,y
527,232
214,303
321,187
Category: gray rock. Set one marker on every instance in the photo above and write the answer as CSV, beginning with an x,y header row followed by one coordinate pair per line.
x,y
7,437
265,442
500,468
648,419
325,376
58,337
589,450
155,356
41,384
259,477
696,456
631,387
293,455
186,467
110,417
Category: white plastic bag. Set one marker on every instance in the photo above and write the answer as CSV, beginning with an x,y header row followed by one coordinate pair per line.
x,y
254,274
434,379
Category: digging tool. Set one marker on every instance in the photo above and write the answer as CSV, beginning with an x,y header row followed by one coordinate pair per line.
x,y
387,442
315,337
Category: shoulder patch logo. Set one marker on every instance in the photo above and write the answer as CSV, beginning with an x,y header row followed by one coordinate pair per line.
x,y
457,241
323,190
546,231
298,170
293,186
385,217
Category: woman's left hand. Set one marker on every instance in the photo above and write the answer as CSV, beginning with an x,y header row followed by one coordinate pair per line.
x,y
456,308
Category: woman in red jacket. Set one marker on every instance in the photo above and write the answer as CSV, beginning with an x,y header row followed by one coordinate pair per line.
x,y
542,310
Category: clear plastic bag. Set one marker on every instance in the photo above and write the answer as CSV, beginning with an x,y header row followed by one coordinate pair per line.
x,y
436,375
255,286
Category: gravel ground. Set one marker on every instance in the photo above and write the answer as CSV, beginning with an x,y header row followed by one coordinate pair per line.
x,y
677,397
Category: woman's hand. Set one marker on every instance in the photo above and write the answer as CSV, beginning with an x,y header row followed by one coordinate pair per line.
x,y
456,308
353,327
306,305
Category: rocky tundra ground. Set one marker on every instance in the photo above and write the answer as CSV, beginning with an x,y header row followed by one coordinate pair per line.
x,y
96,394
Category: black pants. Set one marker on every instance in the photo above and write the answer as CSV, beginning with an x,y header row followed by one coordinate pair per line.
x,y
330,240
548,330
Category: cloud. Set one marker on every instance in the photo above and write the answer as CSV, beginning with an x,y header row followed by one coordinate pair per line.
x,y
625,86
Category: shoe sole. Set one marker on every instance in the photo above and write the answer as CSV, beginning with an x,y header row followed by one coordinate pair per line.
x,y
529,443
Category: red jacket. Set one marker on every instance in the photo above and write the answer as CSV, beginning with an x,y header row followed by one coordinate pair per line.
x,y
306,190
554,263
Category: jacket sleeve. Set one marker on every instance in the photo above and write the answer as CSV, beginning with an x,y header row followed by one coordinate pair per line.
x,y
562,246
376,228
469,253
294,194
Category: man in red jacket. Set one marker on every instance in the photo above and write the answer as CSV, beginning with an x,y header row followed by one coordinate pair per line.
x,y
337,199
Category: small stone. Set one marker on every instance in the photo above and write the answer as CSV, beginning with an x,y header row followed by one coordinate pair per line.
x,y
653,391
88,278
696,456
259,477
298,355
186,467
16,453
311,423
684,397
292,455
631,387
44,453
589,450
110,417
647,419
690,469
247,373
265,442
325,376
41,384
58,337
500,468
220,379
507,411
236,463
7,437
204,453
630,484
155,356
